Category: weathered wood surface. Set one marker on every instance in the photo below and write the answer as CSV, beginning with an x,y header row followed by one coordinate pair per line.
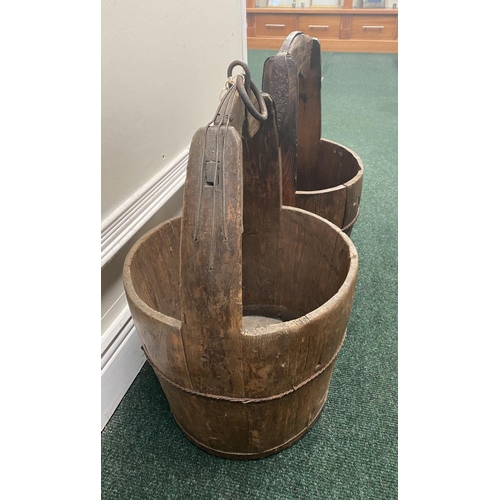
x,y
280,75
235,391
261,211
276,358
309,115
340,168
318,175
211,301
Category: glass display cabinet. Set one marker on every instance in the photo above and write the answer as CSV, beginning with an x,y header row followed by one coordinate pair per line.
x,y
339,25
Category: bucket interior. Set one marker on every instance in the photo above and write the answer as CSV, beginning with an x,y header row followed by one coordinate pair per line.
x,y
336,165
312,264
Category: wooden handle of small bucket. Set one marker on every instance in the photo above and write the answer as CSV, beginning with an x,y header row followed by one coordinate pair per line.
x,y
222,171
293,79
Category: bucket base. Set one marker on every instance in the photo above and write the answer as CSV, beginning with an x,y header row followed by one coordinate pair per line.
x,y
251,456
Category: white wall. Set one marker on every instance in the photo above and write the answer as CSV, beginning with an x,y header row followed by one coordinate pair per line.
x,y
163,66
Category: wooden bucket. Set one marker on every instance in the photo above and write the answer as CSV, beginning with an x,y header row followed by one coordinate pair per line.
x,y
319,175
241,304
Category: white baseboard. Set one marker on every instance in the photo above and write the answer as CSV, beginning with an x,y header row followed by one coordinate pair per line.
x,y
123,223
121,360
121,354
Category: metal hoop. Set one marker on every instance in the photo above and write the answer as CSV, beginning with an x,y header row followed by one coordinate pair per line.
x,y
260,116
245,67
244,85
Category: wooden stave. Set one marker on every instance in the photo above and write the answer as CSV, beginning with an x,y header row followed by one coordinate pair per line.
x,y
153,326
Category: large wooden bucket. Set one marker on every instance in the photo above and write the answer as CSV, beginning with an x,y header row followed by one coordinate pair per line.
x,y
241,304
319,175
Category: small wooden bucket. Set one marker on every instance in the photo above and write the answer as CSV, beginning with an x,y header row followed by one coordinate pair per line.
x,y
241,307
319,175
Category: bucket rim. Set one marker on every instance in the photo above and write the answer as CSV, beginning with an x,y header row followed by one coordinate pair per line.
x,y
350,182
311,316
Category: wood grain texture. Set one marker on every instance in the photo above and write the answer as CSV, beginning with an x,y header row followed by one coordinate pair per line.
x,y
335,192
211,302
278,358
261,210
304,127
325,177
293,79
309,116
241,393
280,79
266,428
300,49
151,281
328,203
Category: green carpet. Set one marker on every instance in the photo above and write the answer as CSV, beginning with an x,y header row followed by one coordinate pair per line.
x,y
351,452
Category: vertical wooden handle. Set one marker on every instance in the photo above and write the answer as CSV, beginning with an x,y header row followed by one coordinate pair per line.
x,y
261,210
226,166
280,80
299,46
293,78
211,259
309,116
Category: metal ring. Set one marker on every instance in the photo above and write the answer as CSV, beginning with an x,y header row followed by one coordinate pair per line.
x,y
245,67
262,116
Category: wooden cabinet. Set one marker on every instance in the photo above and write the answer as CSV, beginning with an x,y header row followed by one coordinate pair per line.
x,y
320,26
270,25
337,29
374,27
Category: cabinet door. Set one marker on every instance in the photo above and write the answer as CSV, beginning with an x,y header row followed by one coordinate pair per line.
x,y
374,27
324,26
